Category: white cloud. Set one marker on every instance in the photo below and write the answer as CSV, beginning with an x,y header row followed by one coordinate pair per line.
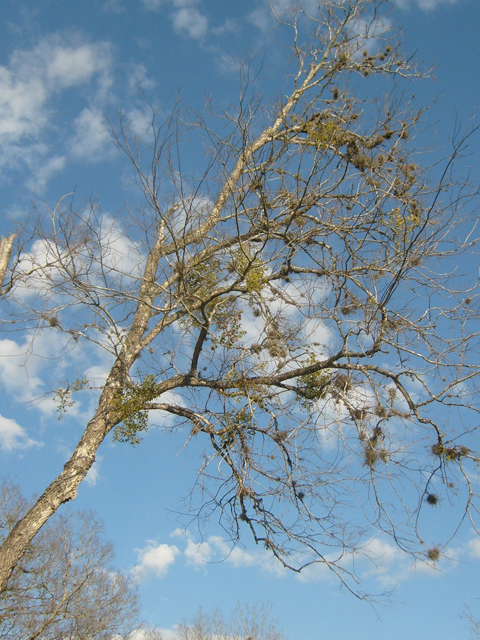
x,y
155,560
184,3
63,65
199,553
140,123
226,64
474,548
262,19
190,22
119,255
365,34
91,135
168,634
94,473
113,6
229,26
138,78
264,16
28,85
98,374
426,5
42,174
317,333
377,560
242,558
217,549
18,379
152,5
146,634
13,436
23,367
119,252
32,76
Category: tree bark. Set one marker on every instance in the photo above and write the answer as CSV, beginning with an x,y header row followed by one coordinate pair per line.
x,y
5,252
61,490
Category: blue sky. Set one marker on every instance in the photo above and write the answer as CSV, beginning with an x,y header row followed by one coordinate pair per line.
x,y
66,66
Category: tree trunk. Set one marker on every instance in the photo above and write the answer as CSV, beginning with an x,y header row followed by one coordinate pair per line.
x,y
5,251
62,489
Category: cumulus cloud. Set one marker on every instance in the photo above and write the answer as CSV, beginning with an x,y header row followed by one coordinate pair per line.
x,y
155,560
28,85
198,553
262,19
379,561
216,549
243,558
13,436
186,18
34,75
168,634
190,22
473,547
146,634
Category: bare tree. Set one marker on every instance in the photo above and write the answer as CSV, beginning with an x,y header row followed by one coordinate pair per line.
x,y
64,586
246,622
308,296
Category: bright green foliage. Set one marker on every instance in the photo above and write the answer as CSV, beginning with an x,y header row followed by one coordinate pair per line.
x,y
251,268
312,387
201,279
64,396
130,406
325,133
404,225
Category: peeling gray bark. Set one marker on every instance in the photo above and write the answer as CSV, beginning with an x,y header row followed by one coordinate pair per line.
x,y
61,490
5,252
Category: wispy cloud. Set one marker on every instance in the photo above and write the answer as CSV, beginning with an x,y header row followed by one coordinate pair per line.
x,y
113,6
190,22
13,436
229,26
216,549
138,78
152,5
43,173
91,140
265,15
426,5
29,83
93,474
379,563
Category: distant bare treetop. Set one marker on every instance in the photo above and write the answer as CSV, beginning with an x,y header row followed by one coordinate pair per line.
x,y
64,586
246,622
